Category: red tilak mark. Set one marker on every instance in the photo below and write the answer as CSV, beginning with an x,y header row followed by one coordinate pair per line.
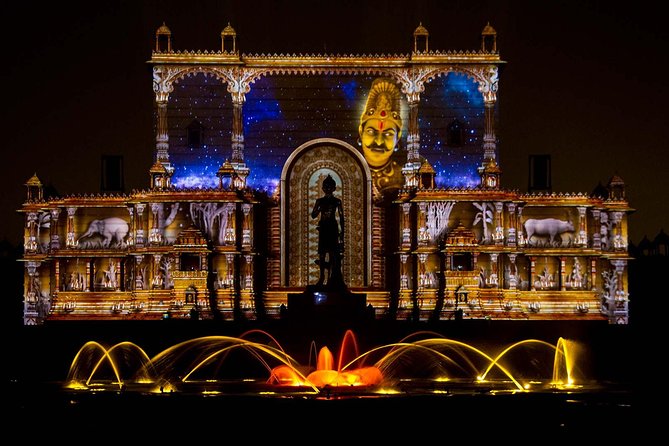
x,y
380,125
383,113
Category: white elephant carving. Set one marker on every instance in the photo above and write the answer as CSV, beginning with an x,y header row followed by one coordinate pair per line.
x,y
112,229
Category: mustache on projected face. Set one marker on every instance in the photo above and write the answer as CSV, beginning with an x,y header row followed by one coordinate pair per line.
x,y
377,147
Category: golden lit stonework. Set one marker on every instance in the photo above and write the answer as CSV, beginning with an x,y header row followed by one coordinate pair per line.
x,y
223,228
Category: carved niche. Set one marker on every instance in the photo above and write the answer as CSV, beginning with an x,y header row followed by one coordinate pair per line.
x,y
304,182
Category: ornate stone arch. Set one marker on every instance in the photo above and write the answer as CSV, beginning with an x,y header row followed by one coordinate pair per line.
x,y
299,189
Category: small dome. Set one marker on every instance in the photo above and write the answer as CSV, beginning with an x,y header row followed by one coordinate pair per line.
x,y
226,168
158,168
228,31
426,167
616,181
488,30
491,166
34,181
661,238
420,31
164,30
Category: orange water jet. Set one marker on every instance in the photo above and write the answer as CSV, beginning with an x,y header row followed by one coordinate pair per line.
x,y
325,373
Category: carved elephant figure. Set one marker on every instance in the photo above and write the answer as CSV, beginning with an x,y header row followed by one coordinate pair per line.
x,y
112,229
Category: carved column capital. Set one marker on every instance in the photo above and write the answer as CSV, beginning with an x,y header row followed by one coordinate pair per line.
x,y
239,80
487,77
163,78
413,80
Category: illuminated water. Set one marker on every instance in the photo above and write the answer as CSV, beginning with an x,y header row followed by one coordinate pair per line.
x,y
548,381
421,362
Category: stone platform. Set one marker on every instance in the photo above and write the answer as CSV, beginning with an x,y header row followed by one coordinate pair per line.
x,y
323,303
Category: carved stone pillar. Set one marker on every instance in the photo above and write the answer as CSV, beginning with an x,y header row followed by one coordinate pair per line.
x,y
378,257
423,281
31,270
533,265
405,227
563,273
54,238
89,272
229,236
130,240
512,224
230,270
412,85
413,138
162,87
498,236
519,227
274,261
619,243
593,274
596,236
423,232
139,225
139,276
56,272
157,281
162,138
248,276
404,272
620,296
117,274
489,138
582,237
604,230
155,235
31,226
619,265
238,84
70,240
513,272
237,130
247,241
494,270
487,77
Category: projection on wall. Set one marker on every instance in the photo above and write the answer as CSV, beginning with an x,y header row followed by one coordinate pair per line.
x,y
283,112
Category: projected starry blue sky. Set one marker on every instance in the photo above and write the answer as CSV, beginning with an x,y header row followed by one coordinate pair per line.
x,y
283,112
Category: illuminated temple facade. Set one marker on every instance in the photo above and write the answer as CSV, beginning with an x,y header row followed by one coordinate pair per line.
x,y
224,230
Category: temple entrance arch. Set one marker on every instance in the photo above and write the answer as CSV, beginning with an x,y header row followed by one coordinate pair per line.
x,y
301,180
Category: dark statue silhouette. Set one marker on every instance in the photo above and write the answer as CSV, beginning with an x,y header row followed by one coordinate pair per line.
x,y
330,235
329,299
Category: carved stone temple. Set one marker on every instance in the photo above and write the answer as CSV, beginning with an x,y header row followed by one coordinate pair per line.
x,y
243,142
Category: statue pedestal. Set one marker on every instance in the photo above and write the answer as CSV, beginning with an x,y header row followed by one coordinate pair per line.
x,y
327,303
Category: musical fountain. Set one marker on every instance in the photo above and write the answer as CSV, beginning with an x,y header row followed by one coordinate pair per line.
x,y
423,362
422,378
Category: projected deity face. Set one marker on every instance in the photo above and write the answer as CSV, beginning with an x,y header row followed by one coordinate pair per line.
x,y
378,138
380,124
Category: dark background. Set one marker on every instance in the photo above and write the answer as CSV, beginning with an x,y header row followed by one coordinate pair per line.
x,y
584,82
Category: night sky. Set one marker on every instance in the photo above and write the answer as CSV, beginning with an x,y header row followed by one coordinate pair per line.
x,y
584,82
282,112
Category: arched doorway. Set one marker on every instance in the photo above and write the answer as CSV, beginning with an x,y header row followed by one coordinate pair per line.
x,y
301,181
